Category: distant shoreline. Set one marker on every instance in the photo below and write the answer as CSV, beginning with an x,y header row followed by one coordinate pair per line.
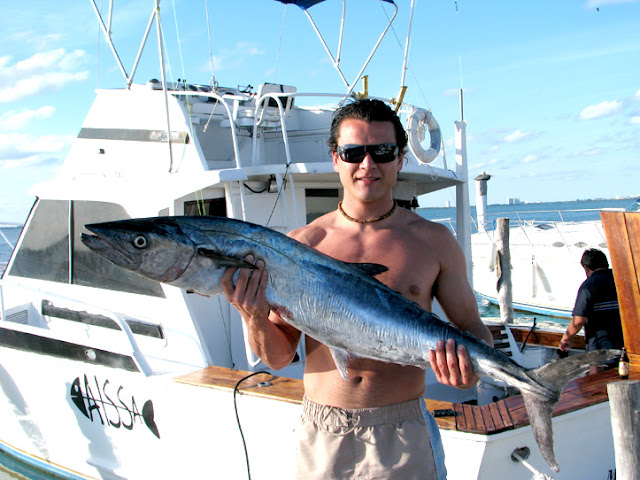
x,y
524,203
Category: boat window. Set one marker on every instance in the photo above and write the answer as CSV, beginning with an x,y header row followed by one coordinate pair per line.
x,y
44,251
90,269
320,201
212,206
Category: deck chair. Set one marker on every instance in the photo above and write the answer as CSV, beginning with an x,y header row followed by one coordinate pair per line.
x,y
490,389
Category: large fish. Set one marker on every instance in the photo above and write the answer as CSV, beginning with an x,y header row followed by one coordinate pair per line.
x,y
339,304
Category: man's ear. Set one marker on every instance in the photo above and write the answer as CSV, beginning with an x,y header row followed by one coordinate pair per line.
x,y
336,159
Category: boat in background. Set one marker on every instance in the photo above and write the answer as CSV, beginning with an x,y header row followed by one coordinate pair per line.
x,y
545,260
104,374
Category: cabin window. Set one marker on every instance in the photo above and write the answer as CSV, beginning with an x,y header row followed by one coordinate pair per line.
x,y
211,206
320,201
44,251
90,269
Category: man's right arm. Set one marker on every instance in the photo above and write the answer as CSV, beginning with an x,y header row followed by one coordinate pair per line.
x,y
270,337
574,327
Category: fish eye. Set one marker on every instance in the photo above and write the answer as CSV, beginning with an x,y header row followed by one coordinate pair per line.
x,y
140,242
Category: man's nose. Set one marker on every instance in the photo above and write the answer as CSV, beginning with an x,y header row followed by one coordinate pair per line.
x,y
367,161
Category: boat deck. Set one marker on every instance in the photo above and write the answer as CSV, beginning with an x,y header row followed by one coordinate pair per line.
x,y
503,415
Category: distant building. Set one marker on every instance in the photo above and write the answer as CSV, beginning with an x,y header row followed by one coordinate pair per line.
x,y
514,201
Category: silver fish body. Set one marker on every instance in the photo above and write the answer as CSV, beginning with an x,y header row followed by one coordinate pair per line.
x,y
339,304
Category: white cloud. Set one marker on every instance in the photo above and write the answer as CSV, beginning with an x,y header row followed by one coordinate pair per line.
x,y
530,158
40,72
602,109
16,120
635,120
22,150
517,136
229,59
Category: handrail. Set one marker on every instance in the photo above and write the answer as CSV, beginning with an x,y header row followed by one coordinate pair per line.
x,y
257,121
282,99
136,353
221,100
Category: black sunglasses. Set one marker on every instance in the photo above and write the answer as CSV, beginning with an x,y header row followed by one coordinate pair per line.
x,y
381,153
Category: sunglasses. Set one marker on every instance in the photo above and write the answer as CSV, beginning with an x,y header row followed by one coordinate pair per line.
x,y
381,153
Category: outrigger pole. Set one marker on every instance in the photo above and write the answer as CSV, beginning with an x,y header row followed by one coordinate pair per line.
x,y
155,15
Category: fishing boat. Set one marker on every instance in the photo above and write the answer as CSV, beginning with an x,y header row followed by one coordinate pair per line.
x,y
104,374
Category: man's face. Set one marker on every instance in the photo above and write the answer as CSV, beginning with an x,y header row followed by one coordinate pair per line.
x,y
366,181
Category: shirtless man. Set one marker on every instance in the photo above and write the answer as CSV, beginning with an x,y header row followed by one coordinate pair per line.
x,y
342,419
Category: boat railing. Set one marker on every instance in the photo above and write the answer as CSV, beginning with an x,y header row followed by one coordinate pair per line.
x,y
525,222
73,309
268,111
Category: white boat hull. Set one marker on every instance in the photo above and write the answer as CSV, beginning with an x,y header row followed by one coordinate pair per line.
x,y
545,264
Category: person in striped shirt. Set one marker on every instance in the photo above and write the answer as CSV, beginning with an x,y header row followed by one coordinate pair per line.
x,y
596,308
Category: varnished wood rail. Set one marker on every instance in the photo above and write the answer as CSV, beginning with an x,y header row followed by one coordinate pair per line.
x,y
489,419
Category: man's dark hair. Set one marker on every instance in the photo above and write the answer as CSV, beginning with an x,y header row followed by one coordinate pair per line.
x,y
592,258
370,111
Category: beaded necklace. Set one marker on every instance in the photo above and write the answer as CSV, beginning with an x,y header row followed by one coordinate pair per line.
x,y
368,220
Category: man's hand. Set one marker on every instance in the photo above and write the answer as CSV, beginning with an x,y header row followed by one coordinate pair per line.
x,y
451,365
248,295
565,343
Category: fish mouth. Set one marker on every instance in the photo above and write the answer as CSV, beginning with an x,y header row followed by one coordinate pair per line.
x,y
110,251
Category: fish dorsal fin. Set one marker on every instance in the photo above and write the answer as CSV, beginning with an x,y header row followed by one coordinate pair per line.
x,y
224,260
372,269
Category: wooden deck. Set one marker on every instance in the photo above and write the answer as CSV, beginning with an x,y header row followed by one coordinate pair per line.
x,y
489,419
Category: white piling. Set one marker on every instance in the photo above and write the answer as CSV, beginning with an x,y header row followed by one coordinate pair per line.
x,y
503,270
624,399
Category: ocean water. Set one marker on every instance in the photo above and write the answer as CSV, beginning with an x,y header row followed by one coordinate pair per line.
x,y
574,211
8,238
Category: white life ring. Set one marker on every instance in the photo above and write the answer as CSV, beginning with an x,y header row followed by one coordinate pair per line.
x,y
416,132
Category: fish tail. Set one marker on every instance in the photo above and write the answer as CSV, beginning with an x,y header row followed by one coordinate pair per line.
x,y
554,377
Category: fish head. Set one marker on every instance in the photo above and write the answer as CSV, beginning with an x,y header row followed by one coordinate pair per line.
x,y
154,247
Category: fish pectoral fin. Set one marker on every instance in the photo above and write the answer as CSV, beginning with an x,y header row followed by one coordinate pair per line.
x,y
341,359
372,269
224,260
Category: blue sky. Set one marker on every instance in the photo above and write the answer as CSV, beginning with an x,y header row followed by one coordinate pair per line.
x,y
552,88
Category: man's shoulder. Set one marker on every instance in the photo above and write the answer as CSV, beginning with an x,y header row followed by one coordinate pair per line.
x,y
313,233
421,225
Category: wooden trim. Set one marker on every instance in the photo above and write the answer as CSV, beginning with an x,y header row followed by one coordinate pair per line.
x,y
540,337
486,420
622,230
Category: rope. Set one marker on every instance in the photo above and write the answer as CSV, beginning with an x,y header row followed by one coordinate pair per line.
x,y
284,16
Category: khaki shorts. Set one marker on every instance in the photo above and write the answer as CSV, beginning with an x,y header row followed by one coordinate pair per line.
x,y
399,441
